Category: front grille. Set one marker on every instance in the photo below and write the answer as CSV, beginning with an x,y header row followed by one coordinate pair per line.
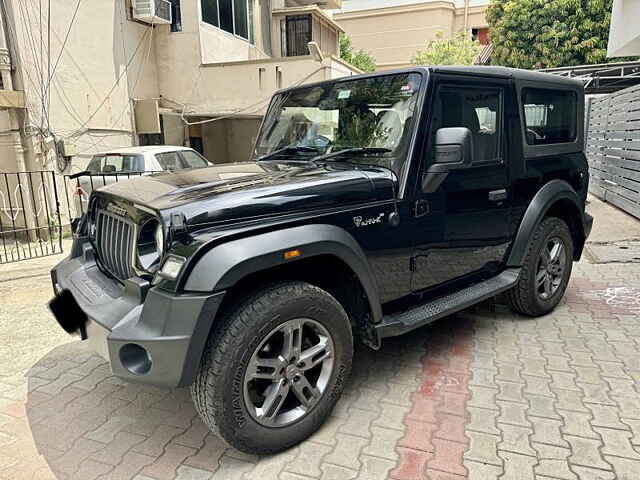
x,y
115,242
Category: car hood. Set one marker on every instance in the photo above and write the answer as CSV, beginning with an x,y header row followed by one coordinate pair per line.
x,y
254,189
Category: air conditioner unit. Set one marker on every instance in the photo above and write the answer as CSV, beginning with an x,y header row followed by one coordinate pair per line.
x,y
152,11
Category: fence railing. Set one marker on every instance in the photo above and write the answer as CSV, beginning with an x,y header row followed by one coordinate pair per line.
x,y
78,188
37,208
613,148
30,222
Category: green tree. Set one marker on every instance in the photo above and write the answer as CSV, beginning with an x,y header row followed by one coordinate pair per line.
x,y
459,50
549,33
359,59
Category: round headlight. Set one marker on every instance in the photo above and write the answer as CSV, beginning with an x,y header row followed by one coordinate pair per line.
x,y
150,245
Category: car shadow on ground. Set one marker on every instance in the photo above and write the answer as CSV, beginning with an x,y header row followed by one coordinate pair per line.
x,y
80,414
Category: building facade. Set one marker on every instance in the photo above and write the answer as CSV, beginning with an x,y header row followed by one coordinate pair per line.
x,y
392,31
88,76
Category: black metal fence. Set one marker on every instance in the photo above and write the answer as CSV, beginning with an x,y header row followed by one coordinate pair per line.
x,y
37,208
30,222
78,188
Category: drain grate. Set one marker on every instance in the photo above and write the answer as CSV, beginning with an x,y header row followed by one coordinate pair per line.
x,y
627,251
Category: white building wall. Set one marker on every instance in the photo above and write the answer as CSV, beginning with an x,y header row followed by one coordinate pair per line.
x,y
107,59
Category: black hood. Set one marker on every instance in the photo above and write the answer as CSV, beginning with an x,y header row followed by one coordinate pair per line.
x,y
243,190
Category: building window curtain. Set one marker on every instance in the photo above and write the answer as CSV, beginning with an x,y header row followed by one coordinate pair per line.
x,y
233,16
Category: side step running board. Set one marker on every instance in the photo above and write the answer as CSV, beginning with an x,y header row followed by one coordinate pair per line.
x,y
402,322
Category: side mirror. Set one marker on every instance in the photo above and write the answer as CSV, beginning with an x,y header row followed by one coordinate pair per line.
x,y
453,149
454,145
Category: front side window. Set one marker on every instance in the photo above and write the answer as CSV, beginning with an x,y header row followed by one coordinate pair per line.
x,y
550,116
233,16
375,115
477,109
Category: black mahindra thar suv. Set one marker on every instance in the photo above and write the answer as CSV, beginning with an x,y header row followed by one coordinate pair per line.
x,y
373,205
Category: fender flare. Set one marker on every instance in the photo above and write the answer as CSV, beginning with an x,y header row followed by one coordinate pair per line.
x,y
552,192
226,264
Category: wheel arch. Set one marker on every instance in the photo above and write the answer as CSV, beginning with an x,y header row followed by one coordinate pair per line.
x,y
556,198
323,252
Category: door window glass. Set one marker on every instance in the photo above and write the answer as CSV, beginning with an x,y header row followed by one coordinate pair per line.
x,y
169,160
116,163
550,116
479,110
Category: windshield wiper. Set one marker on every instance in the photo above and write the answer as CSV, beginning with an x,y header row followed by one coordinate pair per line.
x,y
289,149
353,150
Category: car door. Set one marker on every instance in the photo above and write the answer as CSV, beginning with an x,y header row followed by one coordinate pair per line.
x,y
462,228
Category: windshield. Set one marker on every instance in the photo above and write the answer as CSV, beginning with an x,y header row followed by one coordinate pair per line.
x,y
371,113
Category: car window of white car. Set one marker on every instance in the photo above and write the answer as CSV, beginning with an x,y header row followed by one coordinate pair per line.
x,y
169,160
193,159
96,164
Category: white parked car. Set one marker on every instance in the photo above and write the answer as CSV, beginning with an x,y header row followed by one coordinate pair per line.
x,y
123,163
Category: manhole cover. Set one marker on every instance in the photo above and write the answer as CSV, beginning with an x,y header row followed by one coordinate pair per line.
x,y
614,252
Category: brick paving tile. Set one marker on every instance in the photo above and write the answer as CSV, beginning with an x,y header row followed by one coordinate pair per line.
x,y
113,452
209,455
131,464
517,466
448,457
412,464
231,469
164,468
308,460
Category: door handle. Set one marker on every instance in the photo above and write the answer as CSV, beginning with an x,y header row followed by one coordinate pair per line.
x,y
498,195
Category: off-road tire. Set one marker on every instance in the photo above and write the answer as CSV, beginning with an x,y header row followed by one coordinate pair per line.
x,y
217,391
523,298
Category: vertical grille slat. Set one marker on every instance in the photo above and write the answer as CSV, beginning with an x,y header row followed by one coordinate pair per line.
x,y
114,242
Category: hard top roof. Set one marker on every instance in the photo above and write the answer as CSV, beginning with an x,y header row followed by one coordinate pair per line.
x,y
472,70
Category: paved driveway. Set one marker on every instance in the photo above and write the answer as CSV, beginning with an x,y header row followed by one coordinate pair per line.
x,y
484,394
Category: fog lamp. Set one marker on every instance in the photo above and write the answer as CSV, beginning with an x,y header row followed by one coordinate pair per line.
x,y
171,267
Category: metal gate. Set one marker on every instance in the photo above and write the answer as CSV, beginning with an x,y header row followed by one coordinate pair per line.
x,y
613,148
30,223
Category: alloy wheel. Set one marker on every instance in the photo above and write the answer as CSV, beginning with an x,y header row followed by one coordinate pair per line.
x,y
551,266
288,372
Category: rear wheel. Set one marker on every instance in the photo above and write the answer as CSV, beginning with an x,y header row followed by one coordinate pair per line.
x,y
545,271
274,367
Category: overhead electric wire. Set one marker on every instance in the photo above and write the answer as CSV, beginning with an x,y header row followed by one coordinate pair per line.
x,y
135,84
64,42
31,44
126,69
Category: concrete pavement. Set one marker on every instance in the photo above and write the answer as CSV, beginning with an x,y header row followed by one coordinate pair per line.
x,y
484,394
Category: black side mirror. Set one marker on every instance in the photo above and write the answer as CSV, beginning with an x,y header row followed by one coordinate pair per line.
x,y
453,149
454,145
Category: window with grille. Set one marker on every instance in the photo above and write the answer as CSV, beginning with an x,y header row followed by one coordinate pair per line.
x,y
298,33
233,16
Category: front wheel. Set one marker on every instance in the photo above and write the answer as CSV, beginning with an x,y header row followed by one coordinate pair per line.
x,y
274,367
545,271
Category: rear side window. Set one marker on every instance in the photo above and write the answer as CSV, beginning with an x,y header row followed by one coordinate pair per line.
x,y
550,116
115,163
